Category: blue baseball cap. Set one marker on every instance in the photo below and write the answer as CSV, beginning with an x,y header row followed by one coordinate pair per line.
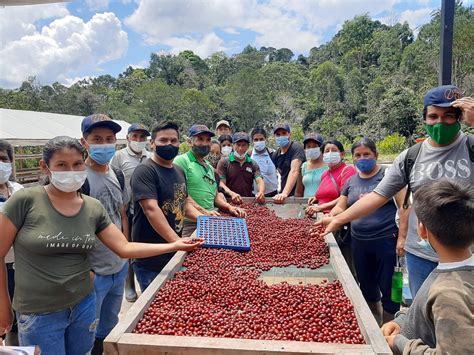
x,y
314,137
99,120
198,129
281,125
442,96
138,127
240,136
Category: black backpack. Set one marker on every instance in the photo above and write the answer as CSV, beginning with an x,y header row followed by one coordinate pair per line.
x,y
86,189
413,153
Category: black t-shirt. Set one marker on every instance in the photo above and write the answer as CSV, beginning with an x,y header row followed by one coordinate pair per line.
x,y
168,187
283,162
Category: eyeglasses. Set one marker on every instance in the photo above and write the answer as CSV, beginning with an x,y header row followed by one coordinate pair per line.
x,y
209,180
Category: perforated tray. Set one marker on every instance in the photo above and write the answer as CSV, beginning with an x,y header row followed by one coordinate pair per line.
x,y
223,232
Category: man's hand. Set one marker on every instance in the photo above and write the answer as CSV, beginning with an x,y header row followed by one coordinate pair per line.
x,y
466,104
312,210
236,198
237,212
187,244
312,200
280,198
6,319
390,329
331,224
213,213
391,341
401,245
260,197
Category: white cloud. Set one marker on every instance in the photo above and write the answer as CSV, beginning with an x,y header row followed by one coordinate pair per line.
x,y
96,5
18,21
71,81
63,48
204,47
298,25
415,18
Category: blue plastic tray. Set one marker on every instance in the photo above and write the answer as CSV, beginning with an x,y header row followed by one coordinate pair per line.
x,y
223,232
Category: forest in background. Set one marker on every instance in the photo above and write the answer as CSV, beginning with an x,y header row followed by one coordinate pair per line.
x,y
369,80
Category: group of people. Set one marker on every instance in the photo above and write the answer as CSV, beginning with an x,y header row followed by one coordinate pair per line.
x,y
99,207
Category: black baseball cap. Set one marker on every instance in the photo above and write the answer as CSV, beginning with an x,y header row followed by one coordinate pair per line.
x,y
281,125
240,136
198,129
138,127
313,137
442,96
99,120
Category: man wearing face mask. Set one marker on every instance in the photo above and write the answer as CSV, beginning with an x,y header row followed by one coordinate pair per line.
x,y
238,172
108,186
201,179
262,155
126,160
161,201
288,159
447,153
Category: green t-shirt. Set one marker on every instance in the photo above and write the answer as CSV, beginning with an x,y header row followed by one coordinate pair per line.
x,y
200,179
51,262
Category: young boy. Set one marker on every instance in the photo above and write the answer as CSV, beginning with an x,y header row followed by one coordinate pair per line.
x,y
440,320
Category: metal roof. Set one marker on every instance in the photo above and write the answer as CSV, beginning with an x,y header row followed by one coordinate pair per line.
x,y
41,126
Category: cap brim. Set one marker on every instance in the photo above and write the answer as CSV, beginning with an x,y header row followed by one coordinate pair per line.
x,y
444,104
312,139
141,129
115,127
212,134
277,128
241,139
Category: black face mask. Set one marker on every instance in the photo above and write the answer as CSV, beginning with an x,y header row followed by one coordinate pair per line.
x,y
201,150
167,152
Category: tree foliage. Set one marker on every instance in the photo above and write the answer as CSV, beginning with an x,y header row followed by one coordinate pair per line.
x,y
368,80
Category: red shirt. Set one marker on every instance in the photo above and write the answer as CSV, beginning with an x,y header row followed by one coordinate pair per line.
x,y
327,191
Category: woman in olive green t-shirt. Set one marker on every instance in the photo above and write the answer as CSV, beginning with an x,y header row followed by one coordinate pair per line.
x,y
52,229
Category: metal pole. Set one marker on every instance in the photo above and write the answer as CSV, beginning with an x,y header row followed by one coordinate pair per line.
x,y
446,43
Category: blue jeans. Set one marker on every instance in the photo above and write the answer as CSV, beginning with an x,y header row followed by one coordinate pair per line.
x,y
109,294
70,331
144,276
374,262
418,271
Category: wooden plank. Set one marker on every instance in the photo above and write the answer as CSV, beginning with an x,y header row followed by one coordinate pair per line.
x,y
367,323
140,306
174,345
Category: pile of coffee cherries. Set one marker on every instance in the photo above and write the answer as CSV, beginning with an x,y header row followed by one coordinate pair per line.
x,y
220,293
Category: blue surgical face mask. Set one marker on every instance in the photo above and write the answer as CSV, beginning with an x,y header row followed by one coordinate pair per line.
x,y
282,141
365,165
425,243
312,153
332,158
102,153
259,146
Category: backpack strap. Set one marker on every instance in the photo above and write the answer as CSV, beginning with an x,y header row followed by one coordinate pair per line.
x,y
470,146
86,189
408,164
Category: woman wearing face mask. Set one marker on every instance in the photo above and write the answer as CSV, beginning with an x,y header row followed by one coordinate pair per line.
x,y
332,180
312,168
373,238
226,145
215,154
7,189
53,229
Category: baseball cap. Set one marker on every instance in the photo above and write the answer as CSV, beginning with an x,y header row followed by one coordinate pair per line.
x,y
314,137
138,127
99,120
240,136
281,125
222,122
198,129
442,96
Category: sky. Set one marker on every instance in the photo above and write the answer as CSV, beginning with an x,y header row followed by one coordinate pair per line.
x,y
70,41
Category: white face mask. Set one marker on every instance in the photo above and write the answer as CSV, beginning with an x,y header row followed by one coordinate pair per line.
x,y
68,181
312,153
239,156
137,147
5,171
332,158
226,151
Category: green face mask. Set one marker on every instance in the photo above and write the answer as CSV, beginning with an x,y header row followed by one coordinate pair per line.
x,y
443,133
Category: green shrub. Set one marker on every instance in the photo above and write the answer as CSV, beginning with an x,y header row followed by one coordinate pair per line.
x,y
392,144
